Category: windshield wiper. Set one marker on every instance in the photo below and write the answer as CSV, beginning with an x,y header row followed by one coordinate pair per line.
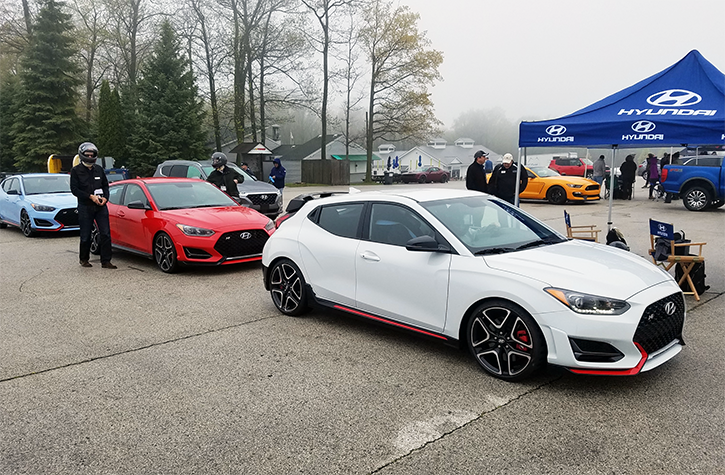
x,y
539,242
494,250
174,207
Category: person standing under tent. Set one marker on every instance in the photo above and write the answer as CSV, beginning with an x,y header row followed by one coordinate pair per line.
x,y
654,173
599,170
628,170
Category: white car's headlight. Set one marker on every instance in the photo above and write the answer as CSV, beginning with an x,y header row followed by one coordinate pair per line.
x,y
38,207
572,185
588,304
194,231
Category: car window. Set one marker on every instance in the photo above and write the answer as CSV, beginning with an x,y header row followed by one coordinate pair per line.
x,y
396,225
341,219
114,194
178,171
165,170
134,193
12,184
193,172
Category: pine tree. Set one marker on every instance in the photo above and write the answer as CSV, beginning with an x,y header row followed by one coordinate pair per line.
x,y
46,121
169,119
110,139
9,85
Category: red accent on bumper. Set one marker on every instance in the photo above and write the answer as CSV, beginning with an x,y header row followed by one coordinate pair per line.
x,y
389,322
616,372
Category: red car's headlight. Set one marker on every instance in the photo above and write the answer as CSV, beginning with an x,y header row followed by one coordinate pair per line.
x,y
194,231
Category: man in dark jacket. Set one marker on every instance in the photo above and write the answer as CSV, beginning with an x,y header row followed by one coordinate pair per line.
x,y
476,174
628,171
277,174
223,177
503,180
89,184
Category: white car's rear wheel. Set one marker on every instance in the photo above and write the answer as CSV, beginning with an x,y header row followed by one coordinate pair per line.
x,y
287,288
505,340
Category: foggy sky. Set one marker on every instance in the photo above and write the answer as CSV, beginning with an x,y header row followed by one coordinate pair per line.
x,y
546,59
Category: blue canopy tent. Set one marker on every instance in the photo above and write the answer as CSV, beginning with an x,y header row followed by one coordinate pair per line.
x,y
681,105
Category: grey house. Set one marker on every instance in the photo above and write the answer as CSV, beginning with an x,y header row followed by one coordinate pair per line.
x,y
452,158
292,156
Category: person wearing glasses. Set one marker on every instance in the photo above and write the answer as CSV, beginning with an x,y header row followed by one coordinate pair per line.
x,y
89,184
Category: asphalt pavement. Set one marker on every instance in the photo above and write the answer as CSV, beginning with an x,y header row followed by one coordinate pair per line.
x,y
133,371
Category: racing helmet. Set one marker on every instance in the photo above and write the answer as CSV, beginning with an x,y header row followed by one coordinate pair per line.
x,y
218,159
88,147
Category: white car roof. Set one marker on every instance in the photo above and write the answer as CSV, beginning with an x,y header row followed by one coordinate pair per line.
x,y
418,195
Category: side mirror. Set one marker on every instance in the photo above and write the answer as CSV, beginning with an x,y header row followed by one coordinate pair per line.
x,y
426,244
138,205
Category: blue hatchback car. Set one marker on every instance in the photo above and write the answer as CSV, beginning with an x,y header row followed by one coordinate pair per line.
x,y
38,202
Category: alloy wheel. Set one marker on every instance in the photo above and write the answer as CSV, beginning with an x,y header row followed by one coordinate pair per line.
x,y
287,288
165,253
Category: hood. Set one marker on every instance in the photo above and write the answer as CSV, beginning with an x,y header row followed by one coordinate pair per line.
x,y
251,186
57,200
580,266
575,180
220,219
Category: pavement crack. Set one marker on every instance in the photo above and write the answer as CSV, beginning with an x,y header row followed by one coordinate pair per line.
x,y
20,288
478,418
134,350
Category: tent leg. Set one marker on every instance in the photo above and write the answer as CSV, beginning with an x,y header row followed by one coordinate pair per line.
x,y
611,188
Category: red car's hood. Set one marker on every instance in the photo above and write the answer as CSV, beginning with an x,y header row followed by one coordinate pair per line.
x,y
219,219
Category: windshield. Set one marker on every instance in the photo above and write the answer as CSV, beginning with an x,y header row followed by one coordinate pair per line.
x,y
36,185
491,227
544,172
208,169
587,161
183,195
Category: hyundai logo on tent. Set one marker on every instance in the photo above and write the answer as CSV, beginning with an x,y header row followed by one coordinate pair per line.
x,y
674,98
643,126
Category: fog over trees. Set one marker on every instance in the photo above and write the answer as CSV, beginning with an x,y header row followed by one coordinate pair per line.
x,y
150,81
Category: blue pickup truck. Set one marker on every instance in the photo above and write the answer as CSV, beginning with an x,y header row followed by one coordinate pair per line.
x,y
699,181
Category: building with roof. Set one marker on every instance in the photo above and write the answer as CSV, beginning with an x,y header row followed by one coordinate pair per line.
x,y
452,158
292,156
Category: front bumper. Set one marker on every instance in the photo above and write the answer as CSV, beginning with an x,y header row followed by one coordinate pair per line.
x,y
646,336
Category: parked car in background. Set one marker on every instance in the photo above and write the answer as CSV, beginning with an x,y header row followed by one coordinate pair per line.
x,y
183,221
572,166
548,184
468,269
265,198
425,175
38,202
700,182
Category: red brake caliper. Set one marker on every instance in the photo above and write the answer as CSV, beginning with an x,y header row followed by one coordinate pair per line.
x,y
521,335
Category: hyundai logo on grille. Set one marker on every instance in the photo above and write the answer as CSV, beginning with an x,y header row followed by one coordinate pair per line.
x,y
670,308
643,126
674,98
245,235
264,197
556,130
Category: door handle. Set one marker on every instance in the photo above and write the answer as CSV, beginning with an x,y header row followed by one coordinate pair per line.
x,y
121,214
368,256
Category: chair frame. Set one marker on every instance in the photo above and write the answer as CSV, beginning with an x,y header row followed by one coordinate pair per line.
x,y
686,263
583,232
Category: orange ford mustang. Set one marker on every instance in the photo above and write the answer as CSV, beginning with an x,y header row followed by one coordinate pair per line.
x,y
547,184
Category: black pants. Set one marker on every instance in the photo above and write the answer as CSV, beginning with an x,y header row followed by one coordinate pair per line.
x,y
626,187
87,214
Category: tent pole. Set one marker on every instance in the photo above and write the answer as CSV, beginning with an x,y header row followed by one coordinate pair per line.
x,y
518,178
611,188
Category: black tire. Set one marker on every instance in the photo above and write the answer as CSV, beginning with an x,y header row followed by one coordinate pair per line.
x,y
422,179
697,198
556,195
26,226
165,253
444,178
3,225
505,341
287,288
95,240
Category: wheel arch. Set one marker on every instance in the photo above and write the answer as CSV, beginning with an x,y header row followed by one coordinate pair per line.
x,y
698,181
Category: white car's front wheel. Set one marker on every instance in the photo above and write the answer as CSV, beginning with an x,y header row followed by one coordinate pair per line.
x,y
505,340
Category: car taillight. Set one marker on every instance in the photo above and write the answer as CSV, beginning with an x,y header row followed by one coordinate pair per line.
x,y
664,175
282,218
